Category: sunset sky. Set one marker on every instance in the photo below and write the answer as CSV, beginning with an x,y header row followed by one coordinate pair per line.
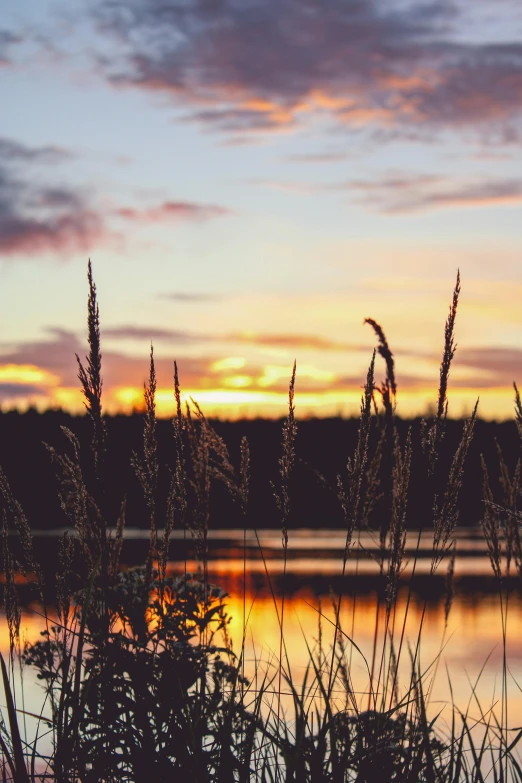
x,y
252,179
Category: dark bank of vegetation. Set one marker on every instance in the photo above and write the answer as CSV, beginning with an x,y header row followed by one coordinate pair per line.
x,y
322,446
140,679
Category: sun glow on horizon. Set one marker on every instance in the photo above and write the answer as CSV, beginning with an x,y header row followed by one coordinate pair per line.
x,y
319,393
27,374
238,403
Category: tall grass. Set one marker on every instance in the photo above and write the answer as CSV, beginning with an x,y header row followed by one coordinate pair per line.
x,y
140,678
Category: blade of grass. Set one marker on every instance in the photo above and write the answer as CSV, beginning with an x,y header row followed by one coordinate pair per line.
x,y
20,770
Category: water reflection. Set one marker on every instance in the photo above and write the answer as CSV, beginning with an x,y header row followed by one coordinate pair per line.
x,y
470,646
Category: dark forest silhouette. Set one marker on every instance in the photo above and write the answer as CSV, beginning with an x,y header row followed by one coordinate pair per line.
x,y
322,447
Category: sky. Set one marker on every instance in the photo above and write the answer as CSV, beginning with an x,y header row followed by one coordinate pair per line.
x,y
251,180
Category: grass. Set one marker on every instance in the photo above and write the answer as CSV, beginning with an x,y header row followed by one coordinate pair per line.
x,y
140,678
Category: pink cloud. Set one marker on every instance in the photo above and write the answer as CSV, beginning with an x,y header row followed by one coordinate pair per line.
x,y
39,219
174,211
64,219
78,231
406,193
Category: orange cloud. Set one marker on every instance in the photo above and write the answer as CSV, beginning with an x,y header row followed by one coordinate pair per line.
x,y
400,68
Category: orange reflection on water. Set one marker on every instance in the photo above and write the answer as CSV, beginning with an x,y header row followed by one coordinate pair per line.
x,y
473,640
31,625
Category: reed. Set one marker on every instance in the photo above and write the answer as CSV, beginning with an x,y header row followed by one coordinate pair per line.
x,y
147,469
139,673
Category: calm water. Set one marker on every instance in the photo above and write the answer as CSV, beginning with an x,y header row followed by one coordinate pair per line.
x,y
473,639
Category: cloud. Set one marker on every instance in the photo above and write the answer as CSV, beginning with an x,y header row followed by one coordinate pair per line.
x,y
501,365
188,297
56,354
308,342
242,120
11,150
404,381
407,193
38,219
174,211
152,333
7,40
60,219
265,65
61,234
46,369
57,198
488,367
123,370
12,391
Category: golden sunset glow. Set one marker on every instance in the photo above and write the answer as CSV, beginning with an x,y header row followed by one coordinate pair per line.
x,y
266,394
238,381
27,374
229,363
